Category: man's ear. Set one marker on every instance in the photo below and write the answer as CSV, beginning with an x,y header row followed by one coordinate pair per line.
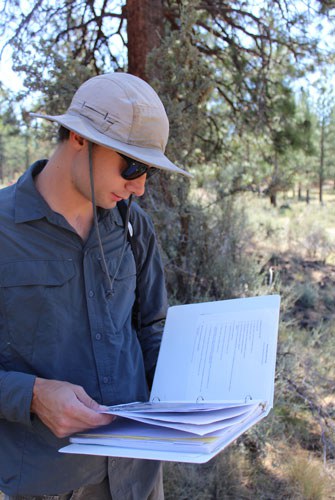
x,y
77,140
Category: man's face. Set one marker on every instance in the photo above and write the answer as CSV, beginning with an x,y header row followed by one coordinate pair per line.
x,y
109,186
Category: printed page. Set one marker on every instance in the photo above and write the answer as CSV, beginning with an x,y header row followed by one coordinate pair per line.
x,y
219,351
230,356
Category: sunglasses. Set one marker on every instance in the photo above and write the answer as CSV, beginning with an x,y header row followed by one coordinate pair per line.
x,y
135,169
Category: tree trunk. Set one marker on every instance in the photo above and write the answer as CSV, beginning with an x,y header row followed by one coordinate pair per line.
x,y
322,160
274,181
145,30
273,199
299,192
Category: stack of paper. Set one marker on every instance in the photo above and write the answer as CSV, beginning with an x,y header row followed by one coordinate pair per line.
x,y
199,433
214,380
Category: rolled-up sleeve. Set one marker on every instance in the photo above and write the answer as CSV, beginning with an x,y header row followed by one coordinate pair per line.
x,y
16,391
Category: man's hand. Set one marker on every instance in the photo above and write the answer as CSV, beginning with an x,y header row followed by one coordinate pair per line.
x,y
66,408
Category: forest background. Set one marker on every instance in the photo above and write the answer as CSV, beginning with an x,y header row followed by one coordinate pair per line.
x,y
248,87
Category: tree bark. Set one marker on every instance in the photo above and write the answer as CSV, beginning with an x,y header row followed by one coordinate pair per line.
x,y
299,192
273,199
322,160
145,30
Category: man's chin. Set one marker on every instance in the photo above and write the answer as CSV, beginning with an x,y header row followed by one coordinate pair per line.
x,y
111,205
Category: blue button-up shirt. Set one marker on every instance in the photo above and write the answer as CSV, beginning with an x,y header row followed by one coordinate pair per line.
x,y
56,323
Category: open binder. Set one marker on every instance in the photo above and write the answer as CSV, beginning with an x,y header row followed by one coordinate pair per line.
x,y
214,380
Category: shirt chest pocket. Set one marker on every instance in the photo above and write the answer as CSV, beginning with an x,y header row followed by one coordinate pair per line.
x,y
123,275
32,303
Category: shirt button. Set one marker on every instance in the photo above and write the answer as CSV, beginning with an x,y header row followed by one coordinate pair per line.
x,y
98,336
105,380
91,293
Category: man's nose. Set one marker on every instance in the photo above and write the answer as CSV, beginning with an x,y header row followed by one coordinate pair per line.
x,y
137,186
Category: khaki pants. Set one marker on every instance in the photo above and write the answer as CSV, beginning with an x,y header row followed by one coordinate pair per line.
x,y
91,492
99,491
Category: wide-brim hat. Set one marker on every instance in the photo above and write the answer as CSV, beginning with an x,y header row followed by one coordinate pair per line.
x,y
122,112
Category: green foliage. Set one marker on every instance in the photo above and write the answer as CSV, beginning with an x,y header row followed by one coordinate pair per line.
x,y
40,32
307,295
224,70
203,239
56,82
184,80
13,142
18,140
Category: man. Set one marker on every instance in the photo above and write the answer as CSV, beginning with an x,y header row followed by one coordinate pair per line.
x,y
68,281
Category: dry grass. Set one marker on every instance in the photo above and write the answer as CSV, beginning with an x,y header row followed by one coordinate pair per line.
x,y
225,476
303,473
308,478
282,472
294,226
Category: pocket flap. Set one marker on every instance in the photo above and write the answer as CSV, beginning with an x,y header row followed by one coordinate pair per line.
x,y
36,272
127,267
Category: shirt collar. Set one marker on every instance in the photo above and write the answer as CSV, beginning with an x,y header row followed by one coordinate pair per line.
x,y
116,216
29,204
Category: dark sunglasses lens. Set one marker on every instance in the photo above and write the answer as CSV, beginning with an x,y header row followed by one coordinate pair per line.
x,y
134,170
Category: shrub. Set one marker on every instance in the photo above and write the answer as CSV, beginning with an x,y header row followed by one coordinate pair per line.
x,y
307,295
307,478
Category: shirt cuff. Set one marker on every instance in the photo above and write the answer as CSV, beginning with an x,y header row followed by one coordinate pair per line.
x,y
16,392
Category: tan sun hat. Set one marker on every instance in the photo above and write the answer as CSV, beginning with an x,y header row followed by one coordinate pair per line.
x,y
122,112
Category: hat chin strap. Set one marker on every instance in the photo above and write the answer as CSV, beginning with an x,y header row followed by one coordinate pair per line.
x,y
110,282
